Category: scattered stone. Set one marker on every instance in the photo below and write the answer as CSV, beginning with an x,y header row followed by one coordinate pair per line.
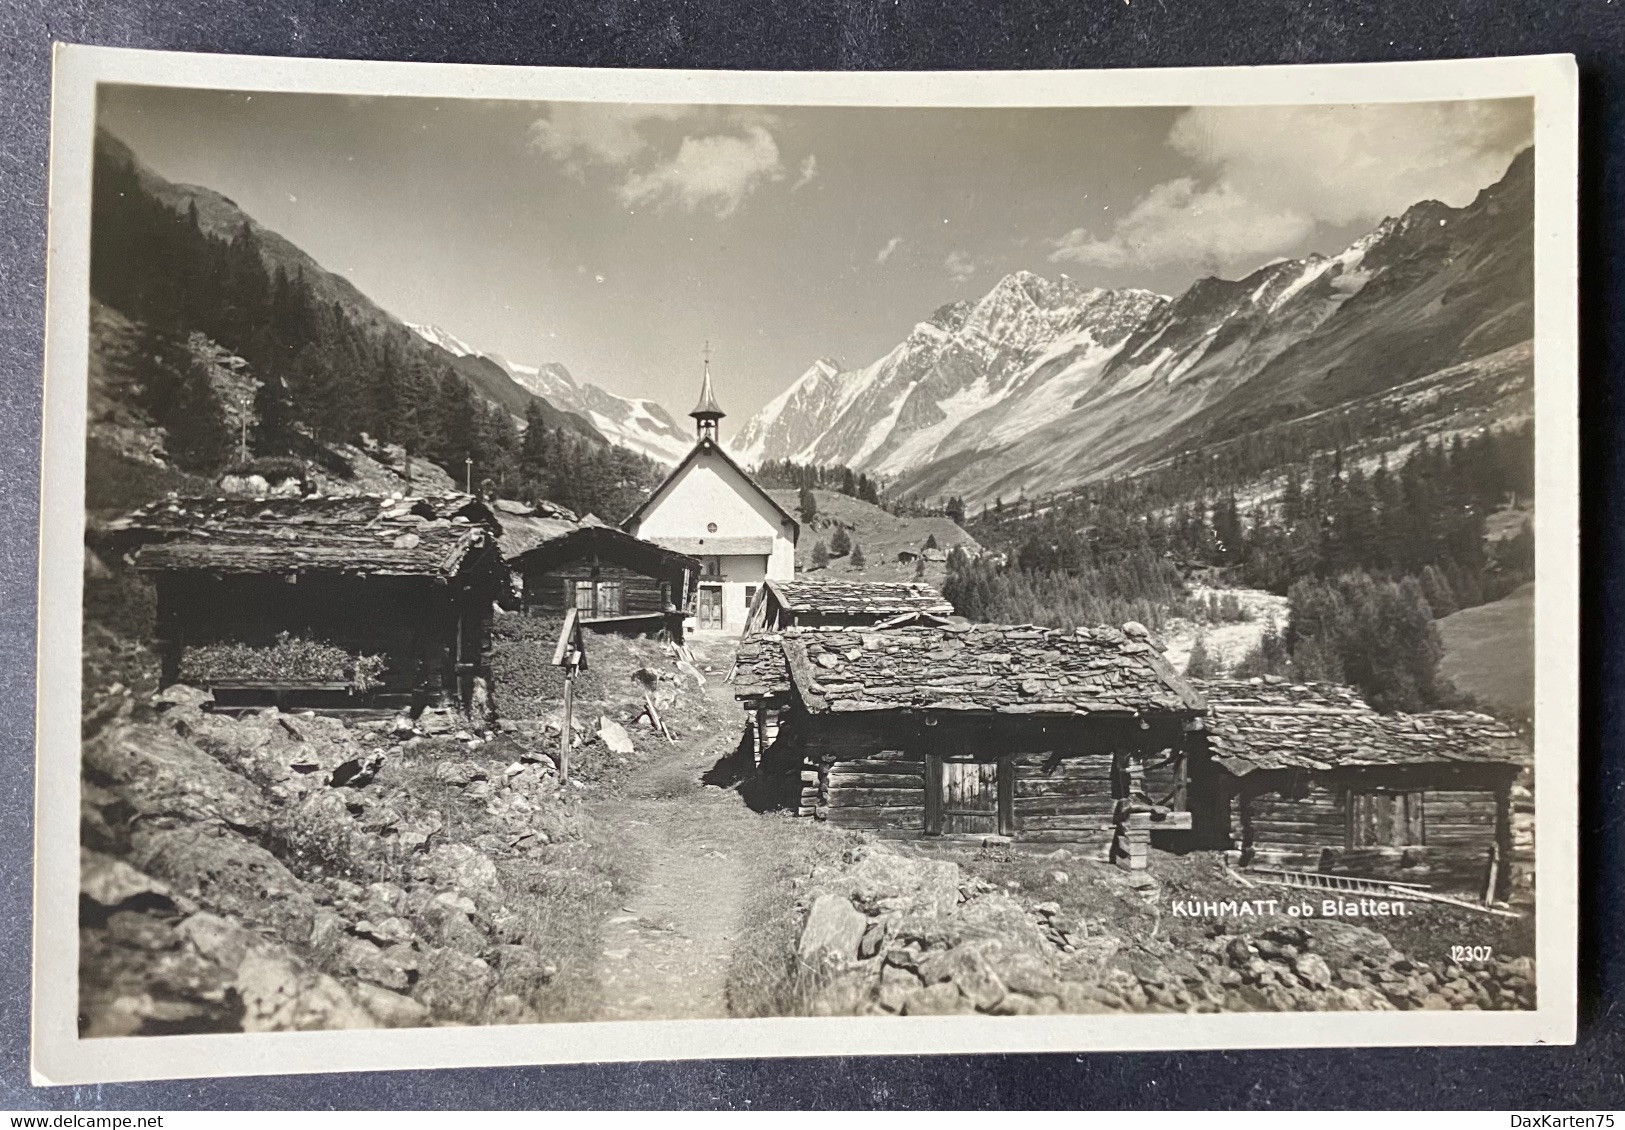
x,y
833,929
615,737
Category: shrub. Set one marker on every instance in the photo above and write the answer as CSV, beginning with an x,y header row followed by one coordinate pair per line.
x,y
840,542
1200,665
290,659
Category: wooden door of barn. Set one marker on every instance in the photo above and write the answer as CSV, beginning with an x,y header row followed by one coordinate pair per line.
x,y
708,611
1385,819
970,797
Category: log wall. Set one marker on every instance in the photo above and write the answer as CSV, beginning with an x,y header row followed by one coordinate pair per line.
x,y
1063,781
1067,800
1465,814
551,593
865,776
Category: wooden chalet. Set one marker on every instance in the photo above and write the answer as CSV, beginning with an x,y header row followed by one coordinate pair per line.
x,y
1309,775
615,582
843,604
410,581
971,731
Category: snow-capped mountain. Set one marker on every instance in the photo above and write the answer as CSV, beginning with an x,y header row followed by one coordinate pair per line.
x,y
939,391
434,335
640,425
1042,385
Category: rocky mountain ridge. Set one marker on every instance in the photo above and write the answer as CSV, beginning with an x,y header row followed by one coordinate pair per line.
x,y
639,425
1043,384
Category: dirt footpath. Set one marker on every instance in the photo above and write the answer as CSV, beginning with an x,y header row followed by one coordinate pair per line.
x,y
697,848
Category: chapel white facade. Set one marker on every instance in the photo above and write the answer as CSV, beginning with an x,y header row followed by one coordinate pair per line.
x,y
709,508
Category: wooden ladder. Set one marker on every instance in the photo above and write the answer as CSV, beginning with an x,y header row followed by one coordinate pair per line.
x,y
1318,881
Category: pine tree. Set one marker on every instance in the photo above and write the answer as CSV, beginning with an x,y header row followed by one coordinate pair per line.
x,y
807,505
820,555
840,543
858,560
1200,664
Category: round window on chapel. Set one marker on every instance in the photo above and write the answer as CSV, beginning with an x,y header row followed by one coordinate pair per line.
x,y
711,527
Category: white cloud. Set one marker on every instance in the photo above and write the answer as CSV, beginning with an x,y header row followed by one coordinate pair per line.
x,y
1267,176
716,172
579,134
892,245
809,170
694,157
960,266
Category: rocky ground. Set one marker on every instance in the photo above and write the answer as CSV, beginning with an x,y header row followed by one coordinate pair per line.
x,y
281,871
888,931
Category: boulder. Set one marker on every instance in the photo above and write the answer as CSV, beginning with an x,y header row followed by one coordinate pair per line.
x,y
615,737
179,694
439,721
458,867
161,774
834,929
279,995
1312,970
391,1010
228,875
453,985
887,879
111,884
941,999
393,967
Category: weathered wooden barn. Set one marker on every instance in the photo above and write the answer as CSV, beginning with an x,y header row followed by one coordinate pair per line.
x,y
841,604
616,582
331,602
969,731
1311,776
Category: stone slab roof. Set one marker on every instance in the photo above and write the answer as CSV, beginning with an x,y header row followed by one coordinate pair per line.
x,y
358,534
880,598
984,668
760,670
1261,725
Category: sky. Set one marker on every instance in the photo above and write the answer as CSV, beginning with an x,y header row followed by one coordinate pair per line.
x,y
617,239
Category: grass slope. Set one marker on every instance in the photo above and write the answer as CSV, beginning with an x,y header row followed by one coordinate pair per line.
x,y
1489,652
881,534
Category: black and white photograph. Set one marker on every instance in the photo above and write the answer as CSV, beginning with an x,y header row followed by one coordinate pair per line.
x,y
1050,571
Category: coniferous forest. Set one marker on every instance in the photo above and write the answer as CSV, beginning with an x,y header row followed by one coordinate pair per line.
x,y
1367,560
325,376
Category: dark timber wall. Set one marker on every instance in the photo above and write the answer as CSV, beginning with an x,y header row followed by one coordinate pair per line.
x,y
1055,782
1446,817
551,592
412,622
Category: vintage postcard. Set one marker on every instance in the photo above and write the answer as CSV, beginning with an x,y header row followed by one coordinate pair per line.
x,y
562,565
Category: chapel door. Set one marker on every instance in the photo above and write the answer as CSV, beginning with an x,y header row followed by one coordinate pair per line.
x,y
1385,819
969,797
708,609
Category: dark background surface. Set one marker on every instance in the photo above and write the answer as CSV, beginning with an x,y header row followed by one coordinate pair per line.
x,y
889,35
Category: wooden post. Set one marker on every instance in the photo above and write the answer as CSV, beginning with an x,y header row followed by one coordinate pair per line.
x,y
1492,873
569,726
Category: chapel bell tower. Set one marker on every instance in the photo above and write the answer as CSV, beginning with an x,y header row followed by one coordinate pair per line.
x,y
707,412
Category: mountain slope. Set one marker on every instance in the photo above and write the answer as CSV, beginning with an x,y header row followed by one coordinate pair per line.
x,y
1040,385
220,217
930,397
639,425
